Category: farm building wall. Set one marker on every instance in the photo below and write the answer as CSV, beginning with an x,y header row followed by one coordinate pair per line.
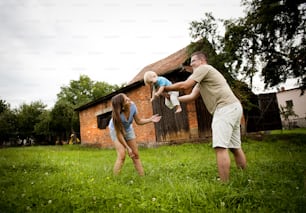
x,y
182,127
91,134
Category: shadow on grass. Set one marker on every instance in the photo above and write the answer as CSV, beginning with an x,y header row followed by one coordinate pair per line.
x,y
295,138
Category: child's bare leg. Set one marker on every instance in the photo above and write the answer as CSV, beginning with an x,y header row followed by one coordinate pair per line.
x,y
178,109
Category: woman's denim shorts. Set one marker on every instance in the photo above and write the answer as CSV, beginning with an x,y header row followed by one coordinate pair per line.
x,y
129,135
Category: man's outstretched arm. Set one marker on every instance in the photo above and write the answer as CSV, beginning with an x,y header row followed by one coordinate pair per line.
x,y
186,85
195,93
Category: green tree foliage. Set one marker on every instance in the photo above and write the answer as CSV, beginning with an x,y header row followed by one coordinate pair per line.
x,y
43,125
3,106
27,117
42,128
61,120
206,28
64,120
78,92
84,90
270,39
240,46
102,88
8,122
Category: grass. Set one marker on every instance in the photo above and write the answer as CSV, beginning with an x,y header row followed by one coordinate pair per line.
x,y
289,131
180,178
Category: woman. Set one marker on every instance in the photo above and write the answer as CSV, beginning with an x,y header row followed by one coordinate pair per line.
x,y
122,132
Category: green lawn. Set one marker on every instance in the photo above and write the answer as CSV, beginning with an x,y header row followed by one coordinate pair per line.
x,y
180,178
289,131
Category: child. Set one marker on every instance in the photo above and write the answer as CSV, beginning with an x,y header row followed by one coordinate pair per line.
x,y
158,83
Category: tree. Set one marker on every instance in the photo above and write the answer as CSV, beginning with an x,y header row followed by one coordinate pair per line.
x,y
78,92
8,123
3,106
42,128
28,117
84,90
101,88
64,120
207,28
61,120
34,121
270,39
240,46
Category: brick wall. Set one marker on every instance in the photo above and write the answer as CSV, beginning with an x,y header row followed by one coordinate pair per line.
x,y
145,134
193,122
92,135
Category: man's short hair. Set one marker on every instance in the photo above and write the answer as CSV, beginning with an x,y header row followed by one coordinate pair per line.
x,y
200,54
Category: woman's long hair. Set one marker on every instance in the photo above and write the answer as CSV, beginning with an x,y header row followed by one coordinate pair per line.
x,y
117,105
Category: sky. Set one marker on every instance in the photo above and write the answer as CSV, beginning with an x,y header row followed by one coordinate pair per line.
x,y
44,44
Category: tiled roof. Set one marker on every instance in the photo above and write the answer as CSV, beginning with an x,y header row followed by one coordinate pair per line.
x,y
164,66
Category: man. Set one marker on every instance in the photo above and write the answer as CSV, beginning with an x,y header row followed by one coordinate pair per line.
x,y
225,107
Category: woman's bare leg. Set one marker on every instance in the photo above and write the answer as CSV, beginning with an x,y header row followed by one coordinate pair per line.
x,y
120,157
136,159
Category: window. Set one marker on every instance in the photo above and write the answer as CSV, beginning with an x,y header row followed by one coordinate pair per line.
x,y
289,103
104,119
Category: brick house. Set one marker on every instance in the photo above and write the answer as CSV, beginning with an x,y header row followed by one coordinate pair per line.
x,y
173,128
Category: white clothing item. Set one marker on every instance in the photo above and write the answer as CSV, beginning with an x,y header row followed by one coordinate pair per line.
x,y
226,126
173,99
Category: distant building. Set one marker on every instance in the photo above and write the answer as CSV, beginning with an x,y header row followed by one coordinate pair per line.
x,y
293,98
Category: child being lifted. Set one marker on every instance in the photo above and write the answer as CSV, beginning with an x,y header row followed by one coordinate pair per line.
x,y
158,84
